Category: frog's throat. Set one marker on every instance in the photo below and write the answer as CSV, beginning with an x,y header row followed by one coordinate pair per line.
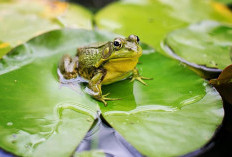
x,y
118,69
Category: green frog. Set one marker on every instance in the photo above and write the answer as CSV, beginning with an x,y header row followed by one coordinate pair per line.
x,y
104,63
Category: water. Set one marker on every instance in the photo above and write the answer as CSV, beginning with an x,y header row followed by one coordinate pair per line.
x,y
103,137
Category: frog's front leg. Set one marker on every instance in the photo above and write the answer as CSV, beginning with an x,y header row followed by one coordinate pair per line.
x,y
95,88
68,66
136,76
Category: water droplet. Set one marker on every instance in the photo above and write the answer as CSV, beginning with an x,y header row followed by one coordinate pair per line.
x,y
9,123
88,119
204,84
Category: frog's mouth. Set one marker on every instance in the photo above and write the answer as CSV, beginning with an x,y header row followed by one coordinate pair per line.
x,y
124,59
126,54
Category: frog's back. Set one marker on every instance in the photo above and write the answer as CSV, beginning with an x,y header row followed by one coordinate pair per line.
x,y
90,55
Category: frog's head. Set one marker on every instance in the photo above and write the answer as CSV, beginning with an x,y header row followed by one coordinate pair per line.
x,y
125,48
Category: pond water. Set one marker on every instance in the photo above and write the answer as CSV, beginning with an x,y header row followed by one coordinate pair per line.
x,y
103,137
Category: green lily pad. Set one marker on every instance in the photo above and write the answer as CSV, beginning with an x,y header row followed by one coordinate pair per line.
x,y
32,97
207,44
151,20
177,107
92,153
19,24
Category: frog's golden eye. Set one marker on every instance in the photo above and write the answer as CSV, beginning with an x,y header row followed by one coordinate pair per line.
x,y
117,43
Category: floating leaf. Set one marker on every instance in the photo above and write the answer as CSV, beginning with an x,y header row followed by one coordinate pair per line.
x,y
205,45
19,24
92,153
177,106
32,97
151,20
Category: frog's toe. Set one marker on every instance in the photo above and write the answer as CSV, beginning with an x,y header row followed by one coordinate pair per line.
x,y
140,79
146,78
104,102
105,95
104,99
132,79
112,99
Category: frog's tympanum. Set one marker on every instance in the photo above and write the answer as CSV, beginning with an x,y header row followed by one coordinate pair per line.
x,y
105,63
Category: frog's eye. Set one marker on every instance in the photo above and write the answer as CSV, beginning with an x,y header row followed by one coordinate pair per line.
x,y
138,39
117,44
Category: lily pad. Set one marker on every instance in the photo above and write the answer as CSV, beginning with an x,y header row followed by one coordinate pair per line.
x,y
151,20
19,24
176,108
206,44
92,153
32,99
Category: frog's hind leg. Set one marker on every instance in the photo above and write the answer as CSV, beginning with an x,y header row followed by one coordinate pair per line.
x,y
95,88
68,66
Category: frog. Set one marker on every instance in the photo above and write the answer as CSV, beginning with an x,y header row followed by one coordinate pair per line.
x,y
104,63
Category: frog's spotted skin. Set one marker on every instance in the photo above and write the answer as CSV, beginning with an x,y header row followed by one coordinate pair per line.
x,y
104,63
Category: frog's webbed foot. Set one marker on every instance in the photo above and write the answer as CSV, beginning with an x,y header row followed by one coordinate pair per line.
x,y
103,99
95,88
136,76
68,66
